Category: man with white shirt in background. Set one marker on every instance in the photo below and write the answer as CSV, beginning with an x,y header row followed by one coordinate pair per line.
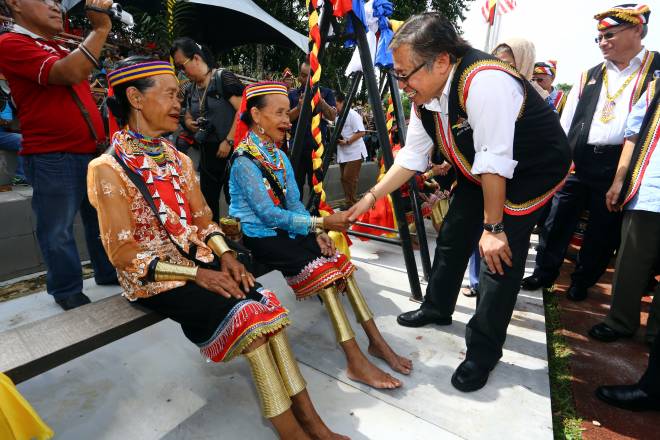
x,y
510,156
594,119
351,151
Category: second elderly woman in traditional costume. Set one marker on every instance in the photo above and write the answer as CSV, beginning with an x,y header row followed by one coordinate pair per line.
x,y
171,258
282,234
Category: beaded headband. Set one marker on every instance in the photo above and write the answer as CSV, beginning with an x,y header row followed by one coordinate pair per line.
x,y
265,88
546,67
138,71
629,13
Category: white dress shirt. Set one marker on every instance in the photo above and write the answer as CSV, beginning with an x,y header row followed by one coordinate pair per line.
x,y
356,150
610,133
493,104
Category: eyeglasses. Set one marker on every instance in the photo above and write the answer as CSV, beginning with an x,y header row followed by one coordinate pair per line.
x,y
53,3
607,36
181,67
405,78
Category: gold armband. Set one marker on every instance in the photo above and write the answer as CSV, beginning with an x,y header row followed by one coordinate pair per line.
x,y
219,246
174,272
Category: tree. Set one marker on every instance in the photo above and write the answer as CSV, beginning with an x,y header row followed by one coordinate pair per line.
x,y
564,87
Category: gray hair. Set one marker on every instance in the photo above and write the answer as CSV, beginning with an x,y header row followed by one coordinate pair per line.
x,y
645,30
430,34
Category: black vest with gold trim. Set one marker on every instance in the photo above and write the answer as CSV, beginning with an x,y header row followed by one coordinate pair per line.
x,y
647,142
539,143
591,84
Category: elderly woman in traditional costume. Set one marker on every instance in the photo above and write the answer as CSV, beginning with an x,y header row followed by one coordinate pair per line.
x,y
171,258
282,234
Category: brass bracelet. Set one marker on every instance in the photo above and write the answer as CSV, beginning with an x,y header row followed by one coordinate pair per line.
x,y
317,223
219,246
174,272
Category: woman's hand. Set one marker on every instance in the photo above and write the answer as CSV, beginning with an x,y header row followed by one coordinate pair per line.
x,y
494,249
362,206
230,265
337,221
219,282
326,244
442,169
223,149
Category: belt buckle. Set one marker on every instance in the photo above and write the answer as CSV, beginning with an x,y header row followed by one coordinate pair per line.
x,y
599,149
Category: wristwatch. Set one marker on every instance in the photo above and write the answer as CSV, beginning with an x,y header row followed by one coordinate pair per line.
x,y
494,228
230,142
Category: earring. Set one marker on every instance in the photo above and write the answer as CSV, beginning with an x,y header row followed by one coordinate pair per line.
x,y
261,130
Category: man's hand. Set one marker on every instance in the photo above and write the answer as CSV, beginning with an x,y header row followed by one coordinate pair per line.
x,y
441,169
231,266
99,20
219,282
337,221
223,149
363,205
494,249
612,196
326,244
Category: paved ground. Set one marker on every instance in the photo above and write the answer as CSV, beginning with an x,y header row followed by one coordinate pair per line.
x,y
153,385
595,363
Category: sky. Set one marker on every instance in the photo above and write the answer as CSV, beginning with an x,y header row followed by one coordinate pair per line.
x,y
562,30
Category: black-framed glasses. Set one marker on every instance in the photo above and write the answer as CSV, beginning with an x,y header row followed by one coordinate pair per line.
x,y
405,78
607,36
56,3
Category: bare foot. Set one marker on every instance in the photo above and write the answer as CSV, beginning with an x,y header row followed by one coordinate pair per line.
x,y
398,363
321,432
364,371
309,419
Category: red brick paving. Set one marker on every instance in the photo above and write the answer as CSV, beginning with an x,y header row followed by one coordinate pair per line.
x,y
595,363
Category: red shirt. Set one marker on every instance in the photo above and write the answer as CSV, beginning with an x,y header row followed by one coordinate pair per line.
x,y
50,119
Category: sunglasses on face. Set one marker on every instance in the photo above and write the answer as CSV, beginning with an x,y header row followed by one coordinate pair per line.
x,y
182,67
405,78
607,36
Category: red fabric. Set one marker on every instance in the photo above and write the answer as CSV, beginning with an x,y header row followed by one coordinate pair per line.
x,y
50,119
113,127
382,214
241,129
341,7
320,273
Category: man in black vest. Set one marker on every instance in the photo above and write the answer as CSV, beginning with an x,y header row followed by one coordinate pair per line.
x,y
594,118
487,121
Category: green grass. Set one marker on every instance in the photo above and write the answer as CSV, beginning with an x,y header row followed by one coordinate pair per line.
x,y
565,421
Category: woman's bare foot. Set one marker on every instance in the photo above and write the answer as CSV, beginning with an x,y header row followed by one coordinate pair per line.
x,y
361,369
398,363
309,419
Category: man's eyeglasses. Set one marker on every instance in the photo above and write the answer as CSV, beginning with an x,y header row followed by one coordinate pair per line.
x,y
183,66
55,3
405,78
607,36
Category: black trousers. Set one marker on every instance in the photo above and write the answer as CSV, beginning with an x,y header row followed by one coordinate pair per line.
x,y
213,176
486,331
650,381
303,171
601,237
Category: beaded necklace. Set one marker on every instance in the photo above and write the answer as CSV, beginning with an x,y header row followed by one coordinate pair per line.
x,y
143,150
266,153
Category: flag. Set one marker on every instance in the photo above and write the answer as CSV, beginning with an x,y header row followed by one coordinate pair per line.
x,y
503,6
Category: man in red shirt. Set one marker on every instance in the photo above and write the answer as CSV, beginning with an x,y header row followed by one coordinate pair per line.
x,y
46,81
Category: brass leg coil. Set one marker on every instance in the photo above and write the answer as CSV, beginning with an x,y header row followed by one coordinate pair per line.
x,y
272,394
358,303
342,327
294,382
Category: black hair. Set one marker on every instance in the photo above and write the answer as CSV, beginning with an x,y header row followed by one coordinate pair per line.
x,y
430,34
190,48
258,102
339,96
5,9
118,103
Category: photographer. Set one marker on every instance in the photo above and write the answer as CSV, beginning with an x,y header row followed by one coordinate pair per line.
x,y
211,103
62,130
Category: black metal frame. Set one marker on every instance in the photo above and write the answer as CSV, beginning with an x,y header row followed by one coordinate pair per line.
x,y
375,91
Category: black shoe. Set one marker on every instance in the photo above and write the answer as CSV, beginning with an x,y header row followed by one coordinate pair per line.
x,y
470,292
73,301
533,282
630,397
111,282
604,333
576,293
470,376
422,317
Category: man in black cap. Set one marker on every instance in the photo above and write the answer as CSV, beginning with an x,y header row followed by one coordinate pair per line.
x,y
595,118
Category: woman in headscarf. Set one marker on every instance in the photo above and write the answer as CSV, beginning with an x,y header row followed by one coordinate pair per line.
x,y
173,259
521,54
283,235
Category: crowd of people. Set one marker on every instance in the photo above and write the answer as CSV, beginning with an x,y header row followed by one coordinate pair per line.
x,y
518,154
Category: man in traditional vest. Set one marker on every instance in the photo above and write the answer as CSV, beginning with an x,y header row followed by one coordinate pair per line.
x,y
510,156
544,75
636,188
595,119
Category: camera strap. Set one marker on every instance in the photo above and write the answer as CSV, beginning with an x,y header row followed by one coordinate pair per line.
x,y
87,118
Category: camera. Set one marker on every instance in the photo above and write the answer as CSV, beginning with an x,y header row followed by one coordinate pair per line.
x,y
116,13
205,130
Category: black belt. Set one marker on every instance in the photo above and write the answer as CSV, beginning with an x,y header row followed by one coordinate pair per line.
x,y
600,149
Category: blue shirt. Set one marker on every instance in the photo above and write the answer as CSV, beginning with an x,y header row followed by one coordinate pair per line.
x,y
251,203
329,97
648,195
6,113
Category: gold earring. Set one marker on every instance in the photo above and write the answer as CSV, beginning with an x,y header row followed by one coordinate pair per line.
x,y
261,130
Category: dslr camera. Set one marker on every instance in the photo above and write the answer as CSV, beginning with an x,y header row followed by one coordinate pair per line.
x,y
116,13
205,130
